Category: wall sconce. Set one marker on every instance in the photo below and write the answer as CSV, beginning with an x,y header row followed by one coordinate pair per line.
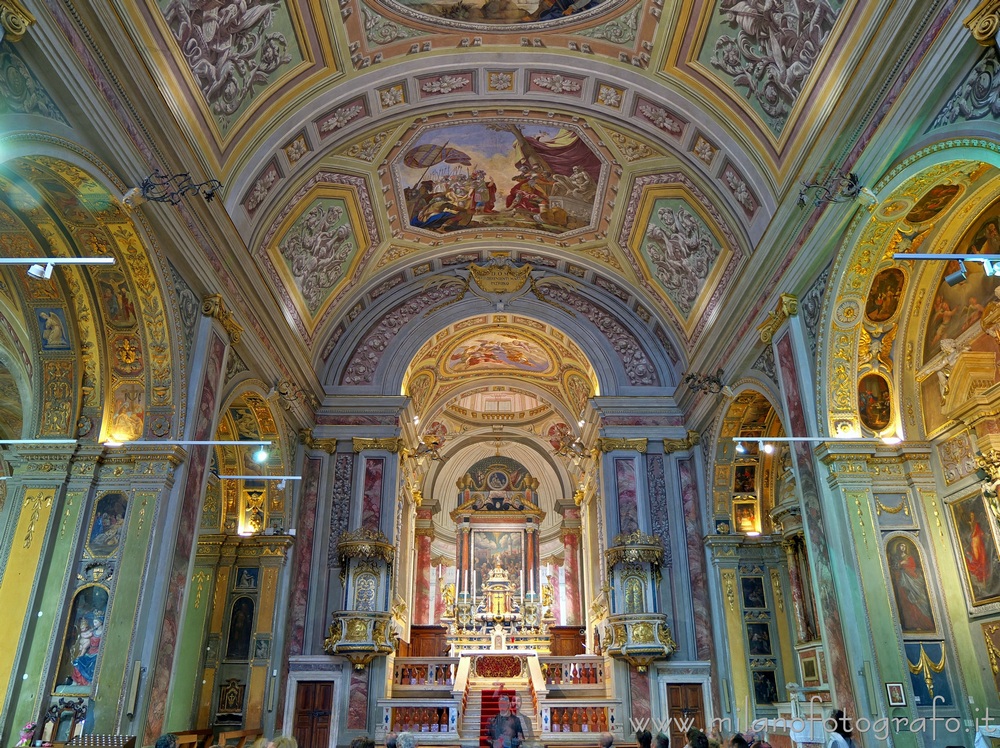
x,y
837,188
160,188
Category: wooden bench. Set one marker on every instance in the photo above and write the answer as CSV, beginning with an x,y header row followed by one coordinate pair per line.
x,y
194,738
242,737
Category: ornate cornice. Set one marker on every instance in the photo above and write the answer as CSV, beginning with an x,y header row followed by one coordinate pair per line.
x,y
213,306
679,445
365,543
612,445
984,22
788,306
14,19
389,444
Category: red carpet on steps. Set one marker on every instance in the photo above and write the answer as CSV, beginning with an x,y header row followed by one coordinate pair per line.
x,y
491,708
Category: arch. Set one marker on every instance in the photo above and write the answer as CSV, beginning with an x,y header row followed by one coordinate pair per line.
x,y
742,502
383,340
850,341
131,393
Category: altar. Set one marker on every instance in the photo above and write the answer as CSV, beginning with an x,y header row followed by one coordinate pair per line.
x,y
501,603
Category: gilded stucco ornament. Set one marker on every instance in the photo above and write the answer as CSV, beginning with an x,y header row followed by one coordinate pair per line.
x,y
389,444
788,306
636,547
360,637
213,306
612,445
984,22
366,544
679,445
989,462
15,19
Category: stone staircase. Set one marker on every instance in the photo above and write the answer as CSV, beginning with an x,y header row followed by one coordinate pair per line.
x,y
482,705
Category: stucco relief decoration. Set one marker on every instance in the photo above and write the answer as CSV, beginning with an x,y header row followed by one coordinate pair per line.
x,y
681,251
978,96
660,117
20,91
316,248
232,47
340,117
768,50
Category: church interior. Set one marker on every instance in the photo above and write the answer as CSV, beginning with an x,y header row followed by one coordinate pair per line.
x,y
365,361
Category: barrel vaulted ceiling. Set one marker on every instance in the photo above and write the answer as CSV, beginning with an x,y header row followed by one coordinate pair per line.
x,y
672,131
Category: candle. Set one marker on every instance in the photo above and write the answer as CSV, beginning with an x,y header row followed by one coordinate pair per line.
x,y
466,580
522,583
531,582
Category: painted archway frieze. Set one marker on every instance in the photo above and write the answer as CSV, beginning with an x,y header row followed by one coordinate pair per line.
x,y
867,353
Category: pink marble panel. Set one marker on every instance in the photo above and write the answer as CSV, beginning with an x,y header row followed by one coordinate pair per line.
x,y
628,506
638,684
186,533
696,560
357,706
305,528
816,529
371,504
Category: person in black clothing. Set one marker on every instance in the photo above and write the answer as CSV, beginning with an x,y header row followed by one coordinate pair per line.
x,y
644,738
505,728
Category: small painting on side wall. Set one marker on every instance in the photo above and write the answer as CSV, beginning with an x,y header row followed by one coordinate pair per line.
x,y
82,644
765,687
895,694
874,402
753,592
759,639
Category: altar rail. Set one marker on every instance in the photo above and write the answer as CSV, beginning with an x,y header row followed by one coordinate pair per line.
x,y
581,670
424,671
580,717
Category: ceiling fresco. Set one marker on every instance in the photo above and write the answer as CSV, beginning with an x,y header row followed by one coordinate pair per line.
x,y
498,346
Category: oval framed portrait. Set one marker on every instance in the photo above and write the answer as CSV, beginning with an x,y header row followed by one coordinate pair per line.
x,y
497,480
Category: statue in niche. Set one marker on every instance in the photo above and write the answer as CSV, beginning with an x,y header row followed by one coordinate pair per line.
x,y
634,596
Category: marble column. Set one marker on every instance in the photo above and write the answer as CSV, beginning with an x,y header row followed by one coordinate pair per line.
x,y
422,608
571,544
795,582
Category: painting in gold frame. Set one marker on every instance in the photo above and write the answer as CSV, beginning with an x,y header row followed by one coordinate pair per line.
x,y
745,516
976,545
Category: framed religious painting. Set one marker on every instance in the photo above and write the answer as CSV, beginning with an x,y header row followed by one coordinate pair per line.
x,y
745,516
745,479
895,694
976,546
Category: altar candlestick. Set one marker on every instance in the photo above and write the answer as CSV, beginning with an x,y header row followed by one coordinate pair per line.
x,y
466,580
531,583
522,582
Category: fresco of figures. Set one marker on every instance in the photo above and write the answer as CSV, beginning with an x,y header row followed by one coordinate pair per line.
x,y
500,11
499,174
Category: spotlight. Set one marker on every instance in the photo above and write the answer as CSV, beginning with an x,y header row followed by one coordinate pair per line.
x,y
952,279
416,420
891,440
260,455
753,534
767,447
280,485
41,272
740,448
581,423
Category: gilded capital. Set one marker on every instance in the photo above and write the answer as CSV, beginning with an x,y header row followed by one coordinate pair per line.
x,y
788,306
679,445
213,306
389,444
984,22
327,445
14,20
611,445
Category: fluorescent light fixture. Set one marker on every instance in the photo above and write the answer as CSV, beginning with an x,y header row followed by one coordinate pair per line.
x,y
261,477
991,263
40,268
891,439
38,441
182,442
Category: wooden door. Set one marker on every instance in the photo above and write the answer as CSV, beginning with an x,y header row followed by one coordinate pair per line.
x,y
313,713
686,709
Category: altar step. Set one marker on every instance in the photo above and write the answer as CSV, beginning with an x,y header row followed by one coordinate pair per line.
x,y
482,706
